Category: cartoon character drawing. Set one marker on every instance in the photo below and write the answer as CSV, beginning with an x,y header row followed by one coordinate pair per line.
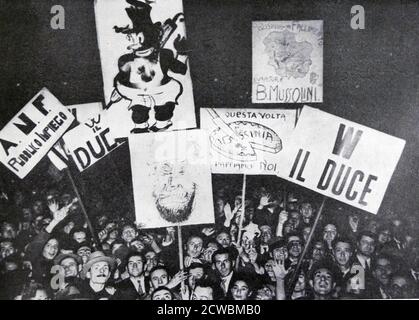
x,y
143,78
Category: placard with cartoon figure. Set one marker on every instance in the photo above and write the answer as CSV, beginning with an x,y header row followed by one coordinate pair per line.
x,y
146,76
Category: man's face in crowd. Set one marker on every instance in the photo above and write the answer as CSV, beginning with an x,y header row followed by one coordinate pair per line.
x,y
6,249
240,290
372,226
194,275
307,212
101,221
295,218
280,254
219,206
10,266
203,293
306,233
99,272
366,246
322,282
38,222
195,246
79,236
27,214
38,207
84,253
128,234
400,288
288,227
40,294
248,245
151,258
223,264
137,245
159,278
135,266
383,271
70,267
265,293
162,295
384,236
329,232
68,227
50,249
269,269
301,283
295,246
8,231
265,234
173,191
223,239
343,253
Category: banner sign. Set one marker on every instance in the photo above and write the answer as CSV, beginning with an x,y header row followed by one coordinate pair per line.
x,y
171,178
27,138
247,141
287,61
90,141
341,159
84,112
146,74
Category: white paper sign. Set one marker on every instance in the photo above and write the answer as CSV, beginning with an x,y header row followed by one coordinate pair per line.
x,y
341,159
171,178
90,141
146,74
27,138
247,141
84,112
287,61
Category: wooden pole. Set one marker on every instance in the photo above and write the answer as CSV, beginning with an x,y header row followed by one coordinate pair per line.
x,y
239,235
306,247
83,209
181,266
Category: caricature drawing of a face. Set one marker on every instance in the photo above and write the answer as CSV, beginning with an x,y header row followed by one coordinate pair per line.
x,y
173,191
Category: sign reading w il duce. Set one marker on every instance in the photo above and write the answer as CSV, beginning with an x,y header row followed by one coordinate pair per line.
x,y
341,159
32,132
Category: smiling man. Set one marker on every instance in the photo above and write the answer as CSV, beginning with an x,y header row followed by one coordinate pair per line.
x,y
97,271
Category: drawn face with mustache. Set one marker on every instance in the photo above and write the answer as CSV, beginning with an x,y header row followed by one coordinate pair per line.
x,y
173,192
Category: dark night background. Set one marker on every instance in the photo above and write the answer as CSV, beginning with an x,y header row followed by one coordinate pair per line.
x,y
371,76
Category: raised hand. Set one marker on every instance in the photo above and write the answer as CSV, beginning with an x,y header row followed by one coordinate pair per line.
x,y
53,205
265,201
279,270
177,279
283,216
208,231
228,213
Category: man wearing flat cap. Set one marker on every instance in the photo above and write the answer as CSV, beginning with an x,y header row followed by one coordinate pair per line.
x,y
70,265
96,272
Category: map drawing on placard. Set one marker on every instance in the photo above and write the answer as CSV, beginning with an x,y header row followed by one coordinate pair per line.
x,y
287,61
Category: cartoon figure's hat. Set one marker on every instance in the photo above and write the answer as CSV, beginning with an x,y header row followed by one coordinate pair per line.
x,y
139,14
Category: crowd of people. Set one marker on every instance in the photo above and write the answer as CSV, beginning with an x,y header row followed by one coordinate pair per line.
x,y
48,250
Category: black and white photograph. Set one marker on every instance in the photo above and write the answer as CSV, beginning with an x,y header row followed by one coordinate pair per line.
x,y
240,150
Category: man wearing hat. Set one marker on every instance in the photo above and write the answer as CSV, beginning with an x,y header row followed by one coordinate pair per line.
x,y
97,271
71,267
